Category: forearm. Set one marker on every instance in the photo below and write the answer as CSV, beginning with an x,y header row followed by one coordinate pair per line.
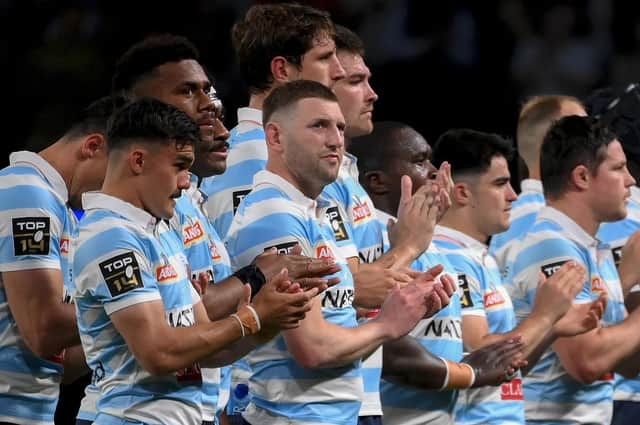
x,y
221,299
588,356
53,331
406,362
333,345
403,255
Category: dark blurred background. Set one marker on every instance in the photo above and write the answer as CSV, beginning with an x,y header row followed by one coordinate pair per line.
x,y
436,65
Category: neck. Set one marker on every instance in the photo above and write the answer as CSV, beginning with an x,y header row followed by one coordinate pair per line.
x,y
121,187
534,171
64,162
382,203
582,216
309,189
457,219
256,101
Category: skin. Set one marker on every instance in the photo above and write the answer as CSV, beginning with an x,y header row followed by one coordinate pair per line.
x,y
355,95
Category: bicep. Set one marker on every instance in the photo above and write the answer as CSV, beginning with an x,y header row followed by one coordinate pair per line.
x,y
32,292
475,329
141,325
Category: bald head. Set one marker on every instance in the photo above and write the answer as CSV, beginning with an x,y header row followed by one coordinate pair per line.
x,y
536,117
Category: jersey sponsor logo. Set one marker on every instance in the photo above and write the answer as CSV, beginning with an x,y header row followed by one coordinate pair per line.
x,y
597,286
215,253
337,297
465,300
617,255
193,233
324,251
31,235
370,254
609,376
57,358
361,212
444,327
283,248
512,390
98,374
166,273
238,196
181,317
209,272
337,224
64,246
121,273
551,268
493,299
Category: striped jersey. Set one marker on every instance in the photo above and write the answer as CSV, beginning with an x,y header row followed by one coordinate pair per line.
x,y
483,296
124,257
523,215
277,214
615,235
35,230
442,336
206,253
354,204
551,395
247,155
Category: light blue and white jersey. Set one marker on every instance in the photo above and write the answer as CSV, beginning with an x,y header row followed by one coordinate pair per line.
x,y
523,215
347,192
359,235
246,156
615,235
35,229
551,394
206,253
123,257
442,336
483,296
277,214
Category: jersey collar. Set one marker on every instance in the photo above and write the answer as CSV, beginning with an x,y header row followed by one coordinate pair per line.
x,y
99,200
531,185
460,238
48,172
572,229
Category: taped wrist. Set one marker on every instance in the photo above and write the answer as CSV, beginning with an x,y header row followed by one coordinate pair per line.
x,y
252,275
458,376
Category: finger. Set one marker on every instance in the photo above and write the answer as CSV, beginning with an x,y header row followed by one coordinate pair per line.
x,y
434,271
442,295
314,282
448,284
406,187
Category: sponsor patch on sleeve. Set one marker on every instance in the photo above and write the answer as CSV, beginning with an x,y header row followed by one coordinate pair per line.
x,y
31,235
283,248
121,273
238,196
551,268
337,224
465,300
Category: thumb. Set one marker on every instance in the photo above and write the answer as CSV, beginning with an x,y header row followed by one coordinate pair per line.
x,y
246,296
542,279
297,249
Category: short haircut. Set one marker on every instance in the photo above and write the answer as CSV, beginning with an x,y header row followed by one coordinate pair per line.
x,y
570,142
148,120
374,150
470,151
94,118
536,116
142,58
270,30
289,93
348,41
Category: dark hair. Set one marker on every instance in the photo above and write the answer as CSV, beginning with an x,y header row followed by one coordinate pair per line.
x,y
270,30
151,121
374,150
146,55
470,151
571,141
289,93
94,118
348,41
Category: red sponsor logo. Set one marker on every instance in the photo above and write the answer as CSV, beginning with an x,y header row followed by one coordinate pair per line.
x,y
597,286
215,255
189,374
57,358
493,299
360,212
607,377
165,273
64,246
512,390
323,251
193,233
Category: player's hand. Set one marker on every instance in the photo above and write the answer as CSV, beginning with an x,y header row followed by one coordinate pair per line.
x,y
495,363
